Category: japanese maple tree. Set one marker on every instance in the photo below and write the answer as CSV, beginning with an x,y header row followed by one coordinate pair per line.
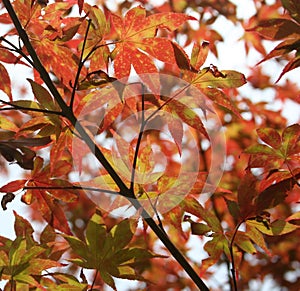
x,y
141,160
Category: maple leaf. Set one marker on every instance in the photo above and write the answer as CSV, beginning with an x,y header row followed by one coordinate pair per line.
x,y
282,49
136,33
9,58
188,206
108,99
22,260
39,191
123,156
199,54
276,193
13,186
43,96
291,65
5,84
258,79
192,206
210,80
215,249
61,154
57,58
257,237
277,150
95,45
278,227
221,99
106,250
254,196
277,29
253,39
7,124
176,129
242,240
187,115
213,78
247,192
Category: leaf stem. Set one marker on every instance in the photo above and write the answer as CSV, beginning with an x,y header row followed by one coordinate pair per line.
x,y
233,268
94,281
293,175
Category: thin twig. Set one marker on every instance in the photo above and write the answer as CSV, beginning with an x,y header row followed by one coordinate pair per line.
x,y
137,148
156,213
95,48
74,187
83,60
139,140
80,65
94,281
18,107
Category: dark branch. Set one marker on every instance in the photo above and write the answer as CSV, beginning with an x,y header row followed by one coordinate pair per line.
x,y
18,107
17,50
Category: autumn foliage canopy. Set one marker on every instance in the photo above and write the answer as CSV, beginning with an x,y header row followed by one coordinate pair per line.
x,y
142,159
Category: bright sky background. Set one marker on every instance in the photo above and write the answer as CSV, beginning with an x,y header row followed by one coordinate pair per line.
x,y
231,56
